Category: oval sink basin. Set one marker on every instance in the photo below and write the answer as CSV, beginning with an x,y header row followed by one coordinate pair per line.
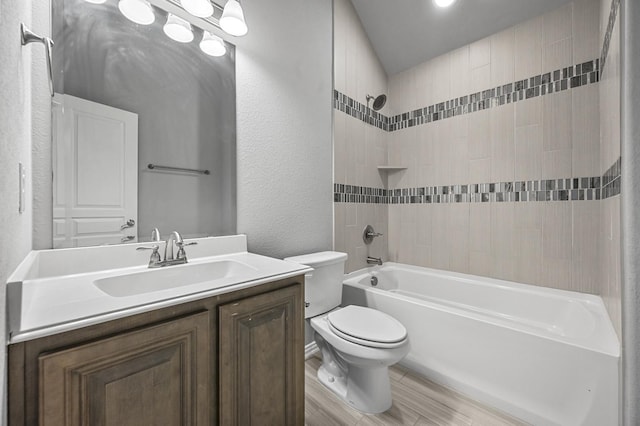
x,y
170,277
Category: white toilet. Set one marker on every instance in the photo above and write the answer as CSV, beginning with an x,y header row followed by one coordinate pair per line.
x,y
357,344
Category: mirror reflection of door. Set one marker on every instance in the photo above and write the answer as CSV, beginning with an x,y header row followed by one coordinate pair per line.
x,y
95,180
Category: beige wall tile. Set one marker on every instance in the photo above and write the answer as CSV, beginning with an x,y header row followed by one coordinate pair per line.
x,y
502,241
502,57
480,53
339,212
424,225
586,131
460,76
458,243
480,135
529,112
586,40
480,227
339,147
439,236
556,227
502,143
556,273
528,153
587,270
528,215
442,78
557,121
557,164
557,24
480,78
528,48
480,170
480,263
557,55
528,255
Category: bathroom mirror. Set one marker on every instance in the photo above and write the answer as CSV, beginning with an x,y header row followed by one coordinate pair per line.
x,y
144,129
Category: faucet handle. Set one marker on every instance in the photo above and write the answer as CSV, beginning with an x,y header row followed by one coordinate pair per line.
x,y
154,247
154,260
181,245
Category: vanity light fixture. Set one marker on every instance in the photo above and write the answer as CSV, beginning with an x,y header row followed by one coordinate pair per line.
x,y
444,3
212,45
178,29
138,11
199,8
232,21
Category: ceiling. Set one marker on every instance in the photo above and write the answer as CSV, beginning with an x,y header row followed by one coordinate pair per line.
x,y
405,33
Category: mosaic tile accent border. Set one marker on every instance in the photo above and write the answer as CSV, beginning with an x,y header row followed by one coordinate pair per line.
x,y
570,189
613,15
351,107
539,85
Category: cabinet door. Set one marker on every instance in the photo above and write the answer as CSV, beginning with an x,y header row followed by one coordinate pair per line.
x,y
154,376
262,359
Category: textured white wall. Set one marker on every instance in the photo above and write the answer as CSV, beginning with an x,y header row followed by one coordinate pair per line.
x,y
284,89
15,147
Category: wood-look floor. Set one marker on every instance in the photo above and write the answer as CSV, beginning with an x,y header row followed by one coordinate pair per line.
x,y
416,401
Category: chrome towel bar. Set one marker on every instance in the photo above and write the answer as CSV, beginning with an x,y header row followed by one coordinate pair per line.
x,y
178,169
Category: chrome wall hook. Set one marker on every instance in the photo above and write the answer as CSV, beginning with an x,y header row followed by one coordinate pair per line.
x,y
27,37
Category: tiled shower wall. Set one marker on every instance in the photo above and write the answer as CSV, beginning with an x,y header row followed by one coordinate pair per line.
x,y
504,172
358,147
555,136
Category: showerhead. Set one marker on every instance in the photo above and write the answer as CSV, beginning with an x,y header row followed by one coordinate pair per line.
x,y
378,102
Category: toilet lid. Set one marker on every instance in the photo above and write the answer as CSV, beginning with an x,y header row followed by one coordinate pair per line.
x,y
367,326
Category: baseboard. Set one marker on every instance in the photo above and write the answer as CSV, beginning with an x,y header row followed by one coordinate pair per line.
x,y
310,350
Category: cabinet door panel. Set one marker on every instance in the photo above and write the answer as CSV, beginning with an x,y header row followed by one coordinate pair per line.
x,y
157,375
262,359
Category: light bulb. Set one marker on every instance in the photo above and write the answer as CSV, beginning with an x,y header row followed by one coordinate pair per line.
x,y
138,11
444,3
178,29
199,8
212,45
232,20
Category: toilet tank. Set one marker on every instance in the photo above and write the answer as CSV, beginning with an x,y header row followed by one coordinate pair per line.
x,y
323,286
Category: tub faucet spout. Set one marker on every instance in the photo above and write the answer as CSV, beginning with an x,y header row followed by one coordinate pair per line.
x,y
374,260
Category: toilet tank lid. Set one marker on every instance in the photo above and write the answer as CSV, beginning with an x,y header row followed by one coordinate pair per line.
x,y
322,258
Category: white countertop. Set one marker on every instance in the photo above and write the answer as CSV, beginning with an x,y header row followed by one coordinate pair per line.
x,y
42,306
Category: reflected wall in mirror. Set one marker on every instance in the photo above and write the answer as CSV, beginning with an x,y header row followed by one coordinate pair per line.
x,y
128,96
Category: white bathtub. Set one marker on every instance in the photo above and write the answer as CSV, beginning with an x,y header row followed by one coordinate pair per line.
x,y
548,357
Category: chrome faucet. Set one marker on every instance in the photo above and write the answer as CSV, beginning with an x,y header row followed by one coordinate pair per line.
x,y
169,259
176,238
374,260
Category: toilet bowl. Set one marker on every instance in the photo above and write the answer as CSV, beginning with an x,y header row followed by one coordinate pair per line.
x,y
356,366
357,344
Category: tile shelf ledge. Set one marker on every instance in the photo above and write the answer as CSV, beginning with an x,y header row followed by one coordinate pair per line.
x,y
391,169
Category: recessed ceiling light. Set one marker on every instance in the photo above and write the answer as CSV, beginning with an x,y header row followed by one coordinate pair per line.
x,y
444,3
95,1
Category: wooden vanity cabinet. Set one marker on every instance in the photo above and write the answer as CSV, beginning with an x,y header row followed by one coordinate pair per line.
x,y
232,359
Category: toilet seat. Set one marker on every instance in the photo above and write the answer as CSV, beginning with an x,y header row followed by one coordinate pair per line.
x,y
367,327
